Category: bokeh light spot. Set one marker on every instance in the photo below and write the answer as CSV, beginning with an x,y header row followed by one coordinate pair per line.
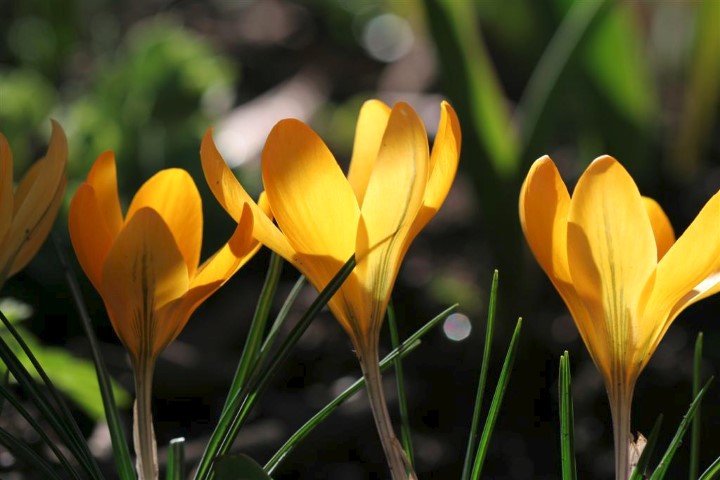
x,y
457,327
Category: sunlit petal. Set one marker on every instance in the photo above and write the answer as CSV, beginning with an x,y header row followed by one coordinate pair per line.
x,y
103,178
373,119
232,196
662,229
143,271
174,196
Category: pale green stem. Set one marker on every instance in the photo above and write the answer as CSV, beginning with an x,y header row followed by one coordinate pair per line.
x,y
400,467
143,432
621,407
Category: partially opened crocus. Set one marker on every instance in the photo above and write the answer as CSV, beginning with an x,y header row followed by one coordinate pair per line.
x,y
612,256
393,188
145,267
28,212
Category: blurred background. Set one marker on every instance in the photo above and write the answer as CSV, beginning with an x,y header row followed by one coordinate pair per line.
x,y
575,79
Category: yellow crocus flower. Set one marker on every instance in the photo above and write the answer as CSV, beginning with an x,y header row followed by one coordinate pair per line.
x,y
28,212
393,188
145,267
612,256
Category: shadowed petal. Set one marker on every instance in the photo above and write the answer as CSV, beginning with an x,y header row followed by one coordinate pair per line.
x,y
371,125
103,178
144,270
662,229
89,234
174,196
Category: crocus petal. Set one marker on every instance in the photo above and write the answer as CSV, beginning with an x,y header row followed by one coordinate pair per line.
x,y
36,191
686,274
103,178
6,187
143,271
394,195
544,207
232,196
37,238
371,124
611,251
662,228
174,196
443,167
89,233
312,201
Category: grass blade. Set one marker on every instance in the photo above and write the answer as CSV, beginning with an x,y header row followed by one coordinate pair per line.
x,y
23,452
176,459
257,327
489,328
240,405
661,470
496,403
401,351
282,315
696,423
567,420
713,471
405,435
121,452
640,470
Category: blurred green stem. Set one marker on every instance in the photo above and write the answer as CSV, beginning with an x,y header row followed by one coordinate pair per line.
x,y
143,433
400,467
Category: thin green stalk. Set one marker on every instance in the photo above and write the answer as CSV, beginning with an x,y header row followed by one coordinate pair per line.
x,y
405,435
121,452
143,432
272,335
697,422
400,352
712,472
257,327
23,452
234,416
567,421
496,403
176,459
640,470
489,327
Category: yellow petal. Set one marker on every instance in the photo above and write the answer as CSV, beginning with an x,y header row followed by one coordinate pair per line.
x,y
310,197
662,229
35,193
143,272
232,196
687,273
544,207
371,124
443,167
394,195
89,233
174,196
6,187
103,178
37,238
611,252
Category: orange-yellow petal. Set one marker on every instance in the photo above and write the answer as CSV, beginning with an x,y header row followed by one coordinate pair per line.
x,y
6,187
143,271
89,233
173,195
232,196
662,228
611,252
103,178
310,197
371,124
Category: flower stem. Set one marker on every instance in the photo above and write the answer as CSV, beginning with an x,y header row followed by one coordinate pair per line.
x,y
143,433
400,467
621,407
